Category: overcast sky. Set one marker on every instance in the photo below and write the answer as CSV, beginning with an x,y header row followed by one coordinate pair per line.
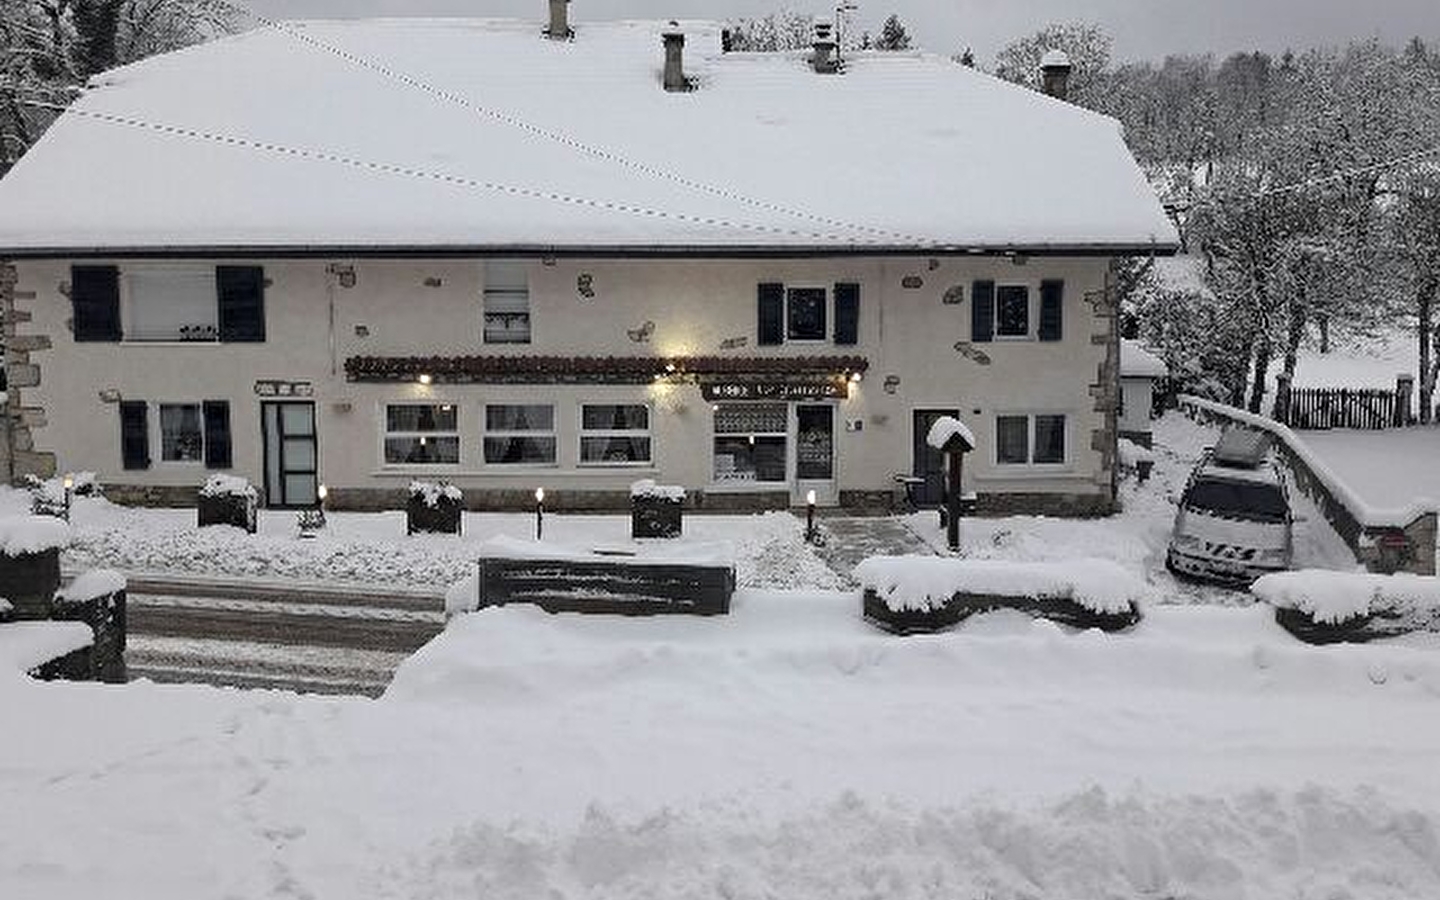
x,y
1142,28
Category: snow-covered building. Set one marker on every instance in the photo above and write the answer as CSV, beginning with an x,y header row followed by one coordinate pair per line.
x,y
363,252
1140,370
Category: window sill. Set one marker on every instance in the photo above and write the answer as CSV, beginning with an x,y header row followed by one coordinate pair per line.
x,y
134,343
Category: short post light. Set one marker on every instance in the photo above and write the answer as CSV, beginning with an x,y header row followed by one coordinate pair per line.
x,y
69,484
312,521
539,513
810,517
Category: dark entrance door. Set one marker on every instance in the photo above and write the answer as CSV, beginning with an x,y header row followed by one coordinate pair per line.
x,y
291,453
929,463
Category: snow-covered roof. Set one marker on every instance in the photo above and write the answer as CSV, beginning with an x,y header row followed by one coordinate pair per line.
x,y
481,134
1137,362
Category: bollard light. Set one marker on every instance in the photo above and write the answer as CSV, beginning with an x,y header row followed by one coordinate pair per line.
x,y
539,513
322,492
69,484
810,517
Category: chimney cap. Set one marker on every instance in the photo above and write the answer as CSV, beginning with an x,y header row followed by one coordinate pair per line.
x,y
1055,58
672,32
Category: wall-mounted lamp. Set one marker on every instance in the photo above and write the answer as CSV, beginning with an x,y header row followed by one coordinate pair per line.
x,y
426,380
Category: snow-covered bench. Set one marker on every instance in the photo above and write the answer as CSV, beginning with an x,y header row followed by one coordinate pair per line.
x,y
698,584
1323,607
923,594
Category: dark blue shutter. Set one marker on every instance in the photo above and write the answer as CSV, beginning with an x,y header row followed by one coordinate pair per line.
x,y
1052,310
847,314
982,311
95,300
241,292
772,314
134,434
217,434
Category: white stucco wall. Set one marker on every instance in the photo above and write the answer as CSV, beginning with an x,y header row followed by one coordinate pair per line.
x,y
694,305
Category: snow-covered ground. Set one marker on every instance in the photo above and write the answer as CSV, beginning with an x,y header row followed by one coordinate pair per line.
x,y
787,750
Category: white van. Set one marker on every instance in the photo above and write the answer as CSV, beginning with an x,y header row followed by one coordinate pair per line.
x,y
1234,523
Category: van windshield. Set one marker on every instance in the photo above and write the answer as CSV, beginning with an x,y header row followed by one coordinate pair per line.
x,y
1237,500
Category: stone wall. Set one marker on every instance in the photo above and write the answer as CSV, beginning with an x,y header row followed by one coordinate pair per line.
x,y
1384,547
19,456
1106,389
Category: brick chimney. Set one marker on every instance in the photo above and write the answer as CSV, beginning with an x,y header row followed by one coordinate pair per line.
x,y
826,56
1055,69
674,40
559,28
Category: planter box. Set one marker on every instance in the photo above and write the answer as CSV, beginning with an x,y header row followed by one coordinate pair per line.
x,y
29,582
441,517
608,588
1358,629
656,517
106,616
237,510
962,606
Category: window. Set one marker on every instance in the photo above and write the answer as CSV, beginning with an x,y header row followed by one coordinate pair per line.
x,y
614,434
507,302
519,434
1030,440
422,434
805,314
182,433
751,442
171,303
1012,311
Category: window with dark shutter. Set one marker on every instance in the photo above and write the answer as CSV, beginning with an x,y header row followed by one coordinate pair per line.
x,y
217,434
847,314
95,298
771,314
1052,310
241,292
982,311
134,434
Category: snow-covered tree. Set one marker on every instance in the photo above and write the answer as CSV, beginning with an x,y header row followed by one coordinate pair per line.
x,y
893,35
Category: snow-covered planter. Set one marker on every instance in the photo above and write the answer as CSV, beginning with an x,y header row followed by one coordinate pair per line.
x,y
433,507
7,611
228,500
1324,607
96,598
592,584
1137,459
30,563
656,510
924,594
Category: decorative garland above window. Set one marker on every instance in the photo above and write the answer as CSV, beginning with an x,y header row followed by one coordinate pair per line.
x,y
595,369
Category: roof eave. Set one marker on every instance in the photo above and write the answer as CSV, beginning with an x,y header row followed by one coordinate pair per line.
x,y
587,251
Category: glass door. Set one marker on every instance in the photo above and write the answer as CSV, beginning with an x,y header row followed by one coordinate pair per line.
x,y
929,463
815,453
291,454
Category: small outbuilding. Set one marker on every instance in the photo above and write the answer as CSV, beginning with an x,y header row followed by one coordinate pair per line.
x,y
1140,370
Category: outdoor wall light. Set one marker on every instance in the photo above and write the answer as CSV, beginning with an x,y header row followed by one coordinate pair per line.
x,y
426,379
856,377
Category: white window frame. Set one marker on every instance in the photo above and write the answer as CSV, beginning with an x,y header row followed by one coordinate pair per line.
x,y
458,433
739,484
1032,314
485,293
829,336
583,433
1030,419
129,300
553,433
160,433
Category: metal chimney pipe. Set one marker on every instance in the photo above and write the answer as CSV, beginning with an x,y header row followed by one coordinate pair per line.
x,y
675,79
559,29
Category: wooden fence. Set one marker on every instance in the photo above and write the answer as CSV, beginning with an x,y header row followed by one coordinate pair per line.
x,y
1366,409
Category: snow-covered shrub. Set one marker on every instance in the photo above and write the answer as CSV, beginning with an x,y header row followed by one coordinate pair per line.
x,y
929,582
433,493
1337,597
228,486
228,500
647,489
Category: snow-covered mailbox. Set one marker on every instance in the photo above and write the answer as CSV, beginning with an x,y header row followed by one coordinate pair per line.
x,y
950,436
1140,371
656,510
228,500
926,594
1325,607
433,507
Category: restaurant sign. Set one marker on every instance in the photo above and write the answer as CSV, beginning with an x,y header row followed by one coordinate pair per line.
x,y
762,389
